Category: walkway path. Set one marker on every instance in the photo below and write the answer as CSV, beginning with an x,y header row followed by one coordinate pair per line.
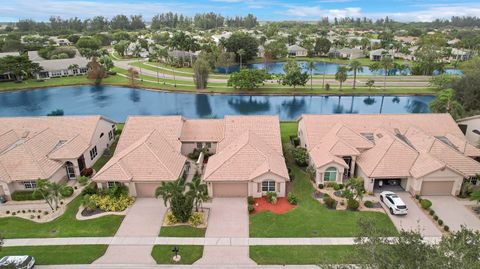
x,y
134,240
227,231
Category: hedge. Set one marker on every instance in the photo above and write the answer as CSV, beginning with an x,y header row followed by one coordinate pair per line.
x,y
26,196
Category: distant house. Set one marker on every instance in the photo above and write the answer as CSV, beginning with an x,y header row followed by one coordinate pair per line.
x,y
471,128
54,148
377,55
183,57
7,76
61,42
261,51
459,55
59,67
351,54
297,51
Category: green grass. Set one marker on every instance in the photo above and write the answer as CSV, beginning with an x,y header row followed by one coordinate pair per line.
x,y
64,226
310,218
46,255
182,231
327,254
288,128
163,254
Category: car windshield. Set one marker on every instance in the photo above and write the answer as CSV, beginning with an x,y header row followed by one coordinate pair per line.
x,y
393,196
402,207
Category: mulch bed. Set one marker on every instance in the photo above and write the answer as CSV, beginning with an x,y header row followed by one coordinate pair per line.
x,y
88,213
282,206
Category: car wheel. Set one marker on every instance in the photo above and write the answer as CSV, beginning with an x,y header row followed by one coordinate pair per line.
x,y
391,211
381,198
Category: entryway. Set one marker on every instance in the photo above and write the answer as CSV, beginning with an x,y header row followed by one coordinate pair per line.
x,y
389,184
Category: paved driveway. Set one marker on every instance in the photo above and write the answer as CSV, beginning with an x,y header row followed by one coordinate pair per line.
x,y
453,212
144,219
228,218
415,220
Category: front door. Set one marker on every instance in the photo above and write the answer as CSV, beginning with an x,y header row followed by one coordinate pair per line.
x,y
70,170
81,163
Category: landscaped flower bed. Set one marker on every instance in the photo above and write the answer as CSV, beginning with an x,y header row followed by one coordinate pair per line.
x,y
280,207
197,219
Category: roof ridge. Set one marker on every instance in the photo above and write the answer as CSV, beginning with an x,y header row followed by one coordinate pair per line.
x,y
155,155
383,155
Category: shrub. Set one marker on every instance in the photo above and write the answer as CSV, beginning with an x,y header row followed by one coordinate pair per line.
x,y
38,216
300,156
291,175
368,204
118,190
417,197
341,186
26,196
440,222
7,212
90,189
196,219
14,213
431,212
320,186
435,217
352,204
336,187
292,198
182,206
272,197
67,191
250,200
251,208
110,203
333,185
329,201
327,87
87,172
170,218
296,141
425,203
446,228
83,180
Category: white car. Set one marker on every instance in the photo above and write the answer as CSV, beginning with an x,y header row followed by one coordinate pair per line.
x,y
394,203
17,262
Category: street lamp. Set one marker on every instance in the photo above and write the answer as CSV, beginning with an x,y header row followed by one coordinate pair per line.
x,y
175,250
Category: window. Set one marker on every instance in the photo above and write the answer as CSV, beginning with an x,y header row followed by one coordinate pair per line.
x,y
208,145
110,135
30,184
111,184
268,185
93,153
199,145
330,174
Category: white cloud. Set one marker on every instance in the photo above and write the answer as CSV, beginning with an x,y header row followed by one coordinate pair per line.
x,y
318,12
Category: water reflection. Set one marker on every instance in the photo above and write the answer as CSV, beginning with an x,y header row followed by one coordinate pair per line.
x,y
119,102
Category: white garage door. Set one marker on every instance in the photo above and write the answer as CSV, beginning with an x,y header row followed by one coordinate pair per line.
x,y
230,189
437,187
146,189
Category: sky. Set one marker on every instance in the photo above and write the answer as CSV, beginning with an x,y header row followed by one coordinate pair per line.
x,y
275,10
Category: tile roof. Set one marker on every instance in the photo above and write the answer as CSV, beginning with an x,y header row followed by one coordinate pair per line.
x,y
202,130
31,146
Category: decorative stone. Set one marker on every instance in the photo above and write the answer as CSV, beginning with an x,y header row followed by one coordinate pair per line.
x,y
177,258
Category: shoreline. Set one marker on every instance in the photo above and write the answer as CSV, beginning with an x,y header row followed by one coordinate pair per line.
x,y
241,93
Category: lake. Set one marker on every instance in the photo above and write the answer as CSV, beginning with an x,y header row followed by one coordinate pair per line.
x,y
320,68
119,102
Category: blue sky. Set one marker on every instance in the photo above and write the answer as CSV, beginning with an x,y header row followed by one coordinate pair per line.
x,y
406,10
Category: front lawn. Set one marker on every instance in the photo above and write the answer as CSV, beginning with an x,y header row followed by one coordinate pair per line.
x,y
64,226
310,218
71,254
303,254
163,254
182,231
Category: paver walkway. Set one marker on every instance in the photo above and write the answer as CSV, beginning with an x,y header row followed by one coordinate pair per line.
x,y
454,213
228,218
134,240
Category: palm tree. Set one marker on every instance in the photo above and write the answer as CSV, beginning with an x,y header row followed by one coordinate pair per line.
x,y
167,190
241,53
355,66
341,75
56,190
311,67
386,63
198,191
43,187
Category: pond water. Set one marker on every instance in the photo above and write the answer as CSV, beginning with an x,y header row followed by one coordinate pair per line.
x,y
320,68
119,102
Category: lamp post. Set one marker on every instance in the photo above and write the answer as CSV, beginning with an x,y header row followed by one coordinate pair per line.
x,y
176,257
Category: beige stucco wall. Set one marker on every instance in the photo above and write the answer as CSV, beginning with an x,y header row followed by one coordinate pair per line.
x,y
472,124
302,134
255,191
319,177
101,143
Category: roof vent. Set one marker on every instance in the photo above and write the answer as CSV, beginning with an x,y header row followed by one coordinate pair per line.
x,y
25,134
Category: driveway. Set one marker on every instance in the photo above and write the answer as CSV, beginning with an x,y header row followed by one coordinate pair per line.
x,y
228,218
144,219
454,213
415,220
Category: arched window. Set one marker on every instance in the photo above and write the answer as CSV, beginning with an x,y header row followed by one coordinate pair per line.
x,y
70,170
330,174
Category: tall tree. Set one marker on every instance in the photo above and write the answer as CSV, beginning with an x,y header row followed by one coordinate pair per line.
x,y
355,66
311,66
322,46
293,75
341,75
95,71
445,103
201,69
20,66
198,191
240,40
241,53
386,63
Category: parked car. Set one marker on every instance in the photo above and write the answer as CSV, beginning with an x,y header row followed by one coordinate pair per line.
x,y
395,204
17,262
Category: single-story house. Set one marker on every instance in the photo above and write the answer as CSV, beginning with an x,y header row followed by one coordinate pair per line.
x,y
247,155
377,55
60,41
471,129
54,148
297,51
350,54
411,151
59,67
